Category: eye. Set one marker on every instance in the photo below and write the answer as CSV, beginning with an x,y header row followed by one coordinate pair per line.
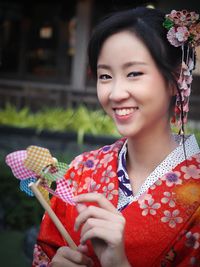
x,y
104,77
134,74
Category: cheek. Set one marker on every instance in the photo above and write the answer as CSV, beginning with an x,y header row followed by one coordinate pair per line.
x,y
161,103
102,95
154,99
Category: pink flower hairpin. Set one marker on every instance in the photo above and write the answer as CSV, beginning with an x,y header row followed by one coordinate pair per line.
x,y
184,27
183,30
37,169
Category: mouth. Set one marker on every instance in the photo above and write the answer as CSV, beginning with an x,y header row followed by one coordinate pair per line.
x,y
124,111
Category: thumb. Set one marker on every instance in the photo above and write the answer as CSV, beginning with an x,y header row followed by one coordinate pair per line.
x,y
83,248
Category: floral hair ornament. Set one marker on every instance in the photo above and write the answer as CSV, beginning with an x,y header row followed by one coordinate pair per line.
x,y
183,30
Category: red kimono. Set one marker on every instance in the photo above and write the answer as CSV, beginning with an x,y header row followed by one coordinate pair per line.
x,y
162,226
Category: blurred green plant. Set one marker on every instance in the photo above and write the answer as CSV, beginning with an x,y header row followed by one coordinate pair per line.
x,y
80,120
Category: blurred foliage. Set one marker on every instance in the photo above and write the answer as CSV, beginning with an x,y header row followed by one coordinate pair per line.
x,y
80,120
12,254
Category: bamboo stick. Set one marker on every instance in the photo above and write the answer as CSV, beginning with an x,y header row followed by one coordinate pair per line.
x,y
53,216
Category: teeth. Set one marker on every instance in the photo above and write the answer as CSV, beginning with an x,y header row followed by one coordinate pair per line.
x,y
124,111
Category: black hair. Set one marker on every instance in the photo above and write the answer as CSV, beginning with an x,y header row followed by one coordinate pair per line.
x,y
147,25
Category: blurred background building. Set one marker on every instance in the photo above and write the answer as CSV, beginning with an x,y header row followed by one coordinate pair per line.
x,y
43,59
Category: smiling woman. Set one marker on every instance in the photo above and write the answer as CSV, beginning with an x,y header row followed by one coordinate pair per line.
x,y
127,90
133,204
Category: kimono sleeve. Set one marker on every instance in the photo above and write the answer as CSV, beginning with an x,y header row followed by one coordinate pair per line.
x,y
186,248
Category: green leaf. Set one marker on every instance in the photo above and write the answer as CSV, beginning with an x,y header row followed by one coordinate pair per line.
x,y
168,24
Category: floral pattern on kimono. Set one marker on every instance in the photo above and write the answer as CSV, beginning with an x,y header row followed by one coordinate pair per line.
x,y
163,224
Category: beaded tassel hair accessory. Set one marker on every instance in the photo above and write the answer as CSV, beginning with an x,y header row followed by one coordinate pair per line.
x,y
183,31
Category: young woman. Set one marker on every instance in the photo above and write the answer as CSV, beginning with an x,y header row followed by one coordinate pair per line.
x,y
138,200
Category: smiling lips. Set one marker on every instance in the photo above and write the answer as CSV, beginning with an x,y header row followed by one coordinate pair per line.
x,y
123,115
124,111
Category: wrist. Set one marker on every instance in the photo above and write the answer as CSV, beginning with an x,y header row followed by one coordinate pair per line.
x,y
124,263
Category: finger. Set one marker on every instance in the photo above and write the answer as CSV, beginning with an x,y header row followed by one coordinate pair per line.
x,y
59,261
104,225
83,248
73,256
81,207
98,198
97,213
112,238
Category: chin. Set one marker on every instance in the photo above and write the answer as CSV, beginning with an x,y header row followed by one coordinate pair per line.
x,y
128,133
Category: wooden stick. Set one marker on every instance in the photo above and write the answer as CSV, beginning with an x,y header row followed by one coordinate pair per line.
x,y
53,216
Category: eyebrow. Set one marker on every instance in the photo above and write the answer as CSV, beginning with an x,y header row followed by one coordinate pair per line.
x,y
124,66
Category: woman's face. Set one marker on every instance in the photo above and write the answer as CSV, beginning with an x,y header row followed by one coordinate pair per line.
x,y
130,87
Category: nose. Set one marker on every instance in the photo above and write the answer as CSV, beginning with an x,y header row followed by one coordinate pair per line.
x,y
119,91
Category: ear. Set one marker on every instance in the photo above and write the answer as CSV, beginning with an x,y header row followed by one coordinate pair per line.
x,y
172,89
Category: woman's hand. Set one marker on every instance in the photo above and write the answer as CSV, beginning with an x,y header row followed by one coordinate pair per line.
x,y
67,257
104,226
